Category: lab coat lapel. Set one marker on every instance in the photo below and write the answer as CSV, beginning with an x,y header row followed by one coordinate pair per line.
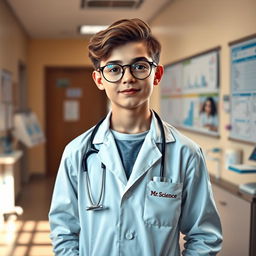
x,y
147,157
110,157
149,153
108,153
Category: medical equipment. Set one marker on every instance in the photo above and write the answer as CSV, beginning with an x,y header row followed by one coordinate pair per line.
x,y
96,206
233,156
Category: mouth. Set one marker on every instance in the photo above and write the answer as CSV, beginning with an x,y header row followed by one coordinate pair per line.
x,y
130,91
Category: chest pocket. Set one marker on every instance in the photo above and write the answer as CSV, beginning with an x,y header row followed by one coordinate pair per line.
x,y
162,203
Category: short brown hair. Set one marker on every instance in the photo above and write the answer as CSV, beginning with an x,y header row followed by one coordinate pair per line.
x,y
119,33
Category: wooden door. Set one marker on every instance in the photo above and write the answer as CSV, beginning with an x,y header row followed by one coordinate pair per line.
x,y
73,105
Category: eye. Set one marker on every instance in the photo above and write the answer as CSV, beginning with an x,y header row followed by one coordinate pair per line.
x,y
112,68
140,66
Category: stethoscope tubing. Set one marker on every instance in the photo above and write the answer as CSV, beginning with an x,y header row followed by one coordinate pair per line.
x,y
96,206
92,150
162,170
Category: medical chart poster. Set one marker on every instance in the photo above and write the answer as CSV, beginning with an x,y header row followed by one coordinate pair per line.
x,y
186,87
186,112
243,90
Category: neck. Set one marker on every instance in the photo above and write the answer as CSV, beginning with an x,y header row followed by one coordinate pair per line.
x,y
131,121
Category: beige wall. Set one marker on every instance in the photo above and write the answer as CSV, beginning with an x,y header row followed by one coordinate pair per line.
x,y
42,53
13,46
13,42
185,28
188,27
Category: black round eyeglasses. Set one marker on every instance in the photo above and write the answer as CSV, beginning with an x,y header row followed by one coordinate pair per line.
x,y
113,72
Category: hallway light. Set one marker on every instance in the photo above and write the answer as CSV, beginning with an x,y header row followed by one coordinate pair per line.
x,y
111,3
90,29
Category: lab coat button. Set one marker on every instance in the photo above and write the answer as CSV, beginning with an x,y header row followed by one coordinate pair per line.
x,y
129,236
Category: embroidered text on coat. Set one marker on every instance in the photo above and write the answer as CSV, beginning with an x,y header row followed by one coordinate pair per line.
x,y
162,194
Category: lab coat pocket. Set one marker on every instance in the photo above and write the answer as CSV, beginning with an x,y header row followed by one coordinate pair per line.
x,y
162,203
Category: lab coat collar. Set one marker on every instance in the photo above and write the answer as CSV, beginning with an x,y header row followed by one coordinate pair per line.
x,y
148,155
104,130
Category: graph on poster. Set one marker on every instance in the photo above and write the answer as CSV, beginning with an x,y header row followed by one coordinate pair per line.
x,y
190,92
243,89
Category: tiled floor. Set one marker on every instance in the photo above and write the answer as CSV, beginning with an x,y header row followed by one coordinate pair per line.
x,y
28,234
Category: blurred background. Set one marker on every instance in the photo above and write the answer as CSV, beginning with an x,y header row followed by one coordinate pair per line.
x,y
47,97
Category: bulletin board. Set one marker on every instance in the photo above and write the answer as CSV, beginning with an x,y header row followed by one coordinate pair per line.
x,y
243,89
187,86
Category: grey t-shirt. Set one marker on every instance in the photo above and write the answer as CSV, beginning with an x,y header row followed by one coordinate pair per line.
x,y
128,146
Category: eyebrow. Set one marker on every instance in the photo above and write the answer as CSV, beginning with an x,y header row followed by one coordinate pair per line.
x,y
132,61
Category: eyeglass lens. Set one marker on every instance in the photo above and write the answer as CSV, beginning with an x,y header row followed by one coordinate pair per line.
x,y
114,72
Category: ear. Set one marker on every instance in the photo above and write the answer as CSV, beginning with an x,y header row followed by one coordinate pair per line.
x,y
158,75
96,75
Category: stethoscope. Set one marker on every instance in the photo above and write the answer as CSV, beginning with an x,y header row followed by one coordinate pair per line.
x,y
97,205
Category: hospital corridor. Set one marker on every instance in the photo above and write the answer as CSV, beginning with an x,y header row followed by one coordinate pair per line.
x,y
28,234
134,120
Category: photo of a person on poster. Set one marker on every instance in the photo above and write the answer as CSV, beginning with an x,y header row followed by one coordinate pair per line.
x,y
209,114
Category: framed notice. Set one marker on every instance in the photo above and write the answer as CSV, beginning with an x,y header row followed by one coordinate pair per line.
x,y
243,89
190,93
6,104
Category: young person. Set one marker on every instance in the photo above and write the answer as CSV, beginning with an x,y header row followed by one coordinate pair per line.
x,y
133,183
208,115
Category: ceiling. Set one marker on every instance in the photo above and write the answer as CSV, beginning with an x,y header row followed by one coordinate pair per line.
x,y
61,18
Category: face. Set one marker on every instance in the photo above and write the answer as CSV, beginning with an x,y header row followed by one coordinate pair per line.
x,y
208,107
129,92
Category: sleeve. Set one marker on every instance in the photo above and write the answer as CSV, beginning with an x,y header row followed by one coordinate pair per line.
x,y
200,222
63,215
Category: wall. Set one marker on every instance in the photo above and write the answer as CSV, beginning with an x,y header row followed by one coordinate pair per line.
x,y
184,28
13,45
188,27
42,53
13,41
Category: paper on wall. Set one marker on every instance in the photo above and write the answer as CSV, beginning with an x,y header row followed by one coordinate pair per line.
x,y
71,110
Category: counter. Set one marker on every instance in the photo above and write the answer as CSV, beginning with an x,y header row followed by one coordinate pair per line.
x,y
238,217
9,183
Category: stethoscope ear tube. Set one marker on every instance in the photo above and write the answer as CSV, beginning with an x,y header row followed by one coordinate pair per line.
x,y
92,148
162,174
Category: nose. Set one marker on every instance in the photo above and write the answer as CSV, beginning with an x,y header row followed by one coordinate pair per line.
x,y
127,76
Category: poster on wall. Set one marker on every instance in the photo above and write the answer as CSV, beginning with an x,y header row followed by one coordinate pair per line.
x,y
6,105
190,93
243,89
71,110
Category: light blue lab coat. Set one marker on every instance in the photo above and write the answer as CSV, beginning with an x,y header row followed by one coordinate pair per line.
x,y
143,217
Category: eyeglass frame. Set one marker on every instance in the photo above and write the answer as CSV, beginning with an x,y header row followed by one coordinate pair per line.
x,y
151,63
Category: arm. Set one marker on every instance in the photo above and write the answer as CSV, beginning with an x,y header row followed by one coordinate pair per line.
x,y
199,220
63,215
